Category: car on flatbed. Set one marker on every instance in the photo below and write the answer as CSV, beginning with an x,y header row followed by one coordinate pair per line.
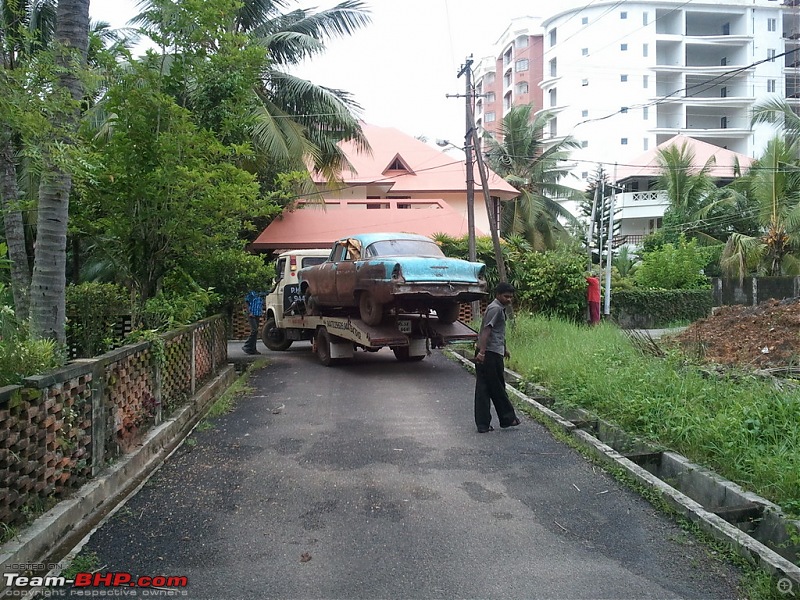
x,y
375,273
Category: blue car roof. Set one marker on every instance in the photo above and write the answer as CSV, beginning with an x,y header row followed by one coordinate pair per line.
x,y
368,238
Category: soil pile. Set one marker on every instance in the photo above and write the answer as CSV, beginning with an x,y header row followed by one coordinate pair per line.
x,y
762,336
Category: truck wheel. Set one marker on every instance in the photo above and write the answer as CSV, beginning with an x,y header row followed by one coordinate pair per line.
x,y
274,337
370,309
448,313
323,342
401,354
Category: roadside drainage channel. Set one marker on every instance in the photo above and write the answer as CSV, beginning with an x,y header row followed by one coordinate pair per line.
x,y
756,527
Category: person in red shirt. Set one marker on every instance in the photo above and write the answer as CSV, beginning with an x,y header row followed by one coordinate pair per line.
x,y
593,297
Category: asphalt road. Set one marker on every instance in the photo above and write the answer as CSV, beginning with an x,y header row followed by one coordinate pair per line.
x,y
370,481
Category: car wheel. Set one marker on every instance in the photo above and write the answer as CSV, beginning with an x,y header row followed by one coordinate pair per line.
x,y
312,308
448,313
401,354
273,337
371,310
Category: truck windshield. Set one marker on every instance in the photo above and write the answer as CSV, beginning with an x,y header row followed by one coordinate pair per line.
x,y
403,248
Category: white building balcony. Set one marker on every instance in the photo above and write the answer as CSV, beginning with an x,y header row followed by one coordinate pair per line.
x,y
642,205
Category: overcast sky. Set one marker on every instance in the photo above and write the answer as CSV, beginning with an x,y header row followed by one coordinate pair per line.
x,y
402,66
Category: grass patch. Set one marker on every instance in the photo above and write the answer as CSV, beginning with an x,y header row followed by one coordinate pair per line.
x,y
84,562
737,424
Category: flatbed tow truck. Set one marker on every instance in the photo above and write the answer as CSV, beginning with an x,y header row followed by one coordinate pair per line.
x,y
336,338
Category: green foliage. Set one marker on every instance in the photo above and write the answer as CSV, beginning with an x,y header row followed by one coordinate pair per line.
x,y
551,283
741,426
93,310
231,273
674,267
168,310
659,308
21,356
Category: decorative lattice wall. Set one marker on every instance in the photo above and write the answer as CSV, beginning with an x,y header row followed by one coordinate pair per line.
x,y
59,429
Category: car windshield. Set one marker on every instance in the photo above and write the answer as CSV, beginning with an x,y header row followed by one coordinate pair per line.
x,y
403,248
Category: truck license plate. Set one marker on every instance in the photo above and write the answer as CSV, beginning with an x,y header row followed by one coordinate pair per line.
x,y
404,325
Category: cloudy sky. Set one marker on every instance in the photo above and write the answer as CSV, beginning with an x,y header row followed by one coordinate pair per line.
x,y
402,66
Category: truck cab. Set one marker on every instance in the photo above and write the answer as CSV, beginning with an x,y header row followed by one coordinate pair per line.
x,y
285,293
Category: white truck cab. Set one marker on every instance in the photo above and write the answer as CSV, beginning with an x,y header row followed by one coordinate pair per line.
x,y
285,292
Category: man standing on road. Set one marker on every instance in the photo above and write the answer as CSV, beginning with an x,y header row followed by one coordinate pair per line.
x,y
490,383
255,308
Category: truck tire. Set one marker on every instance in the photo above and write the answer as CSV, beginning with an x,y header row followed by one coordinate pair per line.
x,y
274,337
323,342
448,312
371,310
401,354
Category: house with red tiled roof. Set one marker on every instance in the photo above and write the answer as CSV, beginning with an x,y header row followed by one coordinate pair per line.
x,y
641,208
402,184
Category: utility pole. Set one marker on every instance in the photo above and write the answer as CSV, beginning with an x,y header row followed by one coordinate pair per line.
x,y
469,96
590,234
610,237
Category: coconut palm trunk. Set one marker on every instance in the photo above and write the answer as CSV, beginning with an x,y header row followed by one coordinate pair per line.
x,y
14,225
49,268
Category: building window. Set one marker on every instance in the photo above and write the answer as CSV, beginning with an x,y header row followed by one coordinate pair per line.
x,y
584,20
645,81
553,37
623,47
553,68
584,82
646,145
644,19
507,57
723,92
623,78
521,65
584,144
723,123
521,41
553,97
507,79
490,97
645,50
584,174
490,117
646,113
623,141
584,52
522,87
771,54
584,113
771,24
623,15
553,127
488,79
771,85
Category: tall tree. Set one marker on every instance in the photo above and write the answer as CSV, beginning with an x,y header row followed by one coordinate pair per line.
x,y
25,29
535,167
772,184
290,120
49,268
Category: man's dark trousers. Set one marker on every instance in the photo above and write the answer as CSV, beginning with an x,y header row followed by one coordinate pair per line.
x,y
250,344
490,384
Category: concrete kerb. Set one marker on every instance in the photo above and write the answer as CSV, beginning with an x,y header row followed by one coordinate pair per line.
x,y
710,523
56,530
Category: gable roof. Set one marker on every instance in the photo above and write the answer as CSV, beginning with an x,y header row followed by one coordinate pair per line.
x,y
313,226
427,169
647,164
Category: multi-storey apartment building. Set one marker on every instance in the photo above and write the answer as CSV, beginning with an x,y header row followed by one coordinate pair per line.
x,y
625,77
511,76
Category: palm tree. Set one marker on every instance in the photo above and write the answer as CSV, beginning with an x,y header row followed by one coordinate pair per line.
x,y
535,167
49,267
773,185
25,28
292,119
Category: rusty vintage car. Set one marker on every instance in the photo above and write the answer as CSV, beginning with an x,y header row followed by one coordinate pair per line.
x,y
379,272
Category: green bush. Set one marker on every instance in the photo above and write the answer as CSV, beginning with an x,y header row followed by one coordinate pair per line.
x,y
231,274
93,312
551,283
168,310
659,308
21,356
674,267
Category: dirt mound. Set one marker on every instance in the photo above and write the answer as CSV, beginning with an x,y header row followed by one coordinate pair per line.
x,y
762,336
